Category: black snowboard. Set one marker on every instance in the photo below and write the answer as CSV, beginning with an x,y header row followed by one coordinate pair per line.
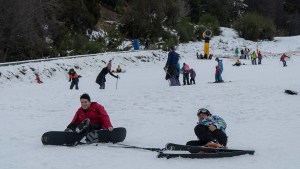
x,y
105,136
73,138
291,92
61,138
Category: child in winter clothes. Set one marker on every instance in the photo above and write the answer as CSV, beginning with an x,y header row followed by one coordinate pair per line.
x,y
74,79
217,74
37,78
220,64
192,75
186,70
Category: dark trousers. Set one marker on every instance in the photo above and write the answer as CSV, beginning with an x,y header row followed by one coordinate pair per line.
x,y
254,61
102,82
186,79
192,81
205,135
74,83
284,63
102,85
259,61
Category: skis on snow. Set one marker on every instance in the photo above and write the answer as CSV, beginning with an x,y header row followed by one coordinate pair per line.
x,y
200,152
172,150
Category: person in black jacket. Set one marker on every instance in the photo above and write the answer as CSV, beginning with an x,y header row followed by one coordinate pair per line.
x,y
101,76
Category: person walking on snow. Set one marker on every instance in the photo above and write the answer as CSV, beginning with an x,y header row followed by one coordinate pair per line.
x,y
74,79
101,76
186,71
171,67
282,59
210,130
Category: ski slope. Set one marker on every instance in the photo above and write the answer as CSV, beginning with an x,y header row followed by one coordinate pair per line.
x,y
258,113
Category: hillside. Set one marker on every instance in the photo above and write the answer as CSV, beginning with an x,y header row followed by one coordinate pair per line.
x,y
258,113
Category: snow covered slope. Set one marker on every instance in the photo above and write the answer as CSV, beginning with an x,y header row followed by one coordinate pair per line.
x,y
259,114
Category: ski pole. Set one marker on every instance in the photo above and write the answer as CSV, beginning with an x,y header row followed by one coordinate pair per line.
x,y
117,83
136,147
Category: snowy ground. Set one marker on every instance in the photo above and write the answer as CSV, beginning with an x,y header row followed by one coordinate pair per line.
x,y
258,113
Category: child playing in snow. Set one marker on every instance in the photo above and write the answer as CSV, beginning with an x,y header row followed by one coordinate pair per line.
x,y
192,75
37,78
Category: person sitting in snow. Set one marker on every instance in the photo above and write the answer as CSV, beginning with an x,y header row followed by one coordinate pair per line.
x,y
210,130
237,63
101,76
91,113
37,78
118,69
74,79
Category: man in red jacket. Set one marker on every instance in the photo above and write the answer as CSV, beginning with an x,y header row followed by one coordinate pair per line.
x,y
91,112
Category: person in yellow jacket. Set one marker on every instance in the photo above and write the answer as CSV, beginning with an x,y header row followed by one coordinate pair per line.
x,y
253,58
237,63
118,69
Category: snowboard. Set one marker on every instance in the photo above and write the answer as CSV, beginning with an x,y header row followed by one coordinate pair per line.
x,y
63,138
105,136
291,92
220,82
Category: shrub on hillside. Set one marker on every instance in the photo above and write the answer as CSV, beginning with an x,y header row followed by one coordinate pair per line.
x,y
185,30
253,27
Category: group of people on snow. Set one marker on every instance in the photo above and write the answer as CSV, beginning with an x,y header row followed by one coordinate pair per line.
x,y
245,55
205,56
210,129
173,70
74,77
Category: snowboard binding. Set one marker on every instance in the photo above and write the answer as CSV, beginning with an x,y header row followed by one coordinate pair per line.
x,y
83,126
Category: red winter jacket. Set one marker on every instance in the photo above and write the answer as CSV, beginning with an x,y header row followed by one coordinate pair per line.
x,y
96,113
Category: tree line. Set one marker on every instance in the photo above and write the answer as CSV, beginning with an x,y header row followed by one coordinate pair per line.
x,y
34,29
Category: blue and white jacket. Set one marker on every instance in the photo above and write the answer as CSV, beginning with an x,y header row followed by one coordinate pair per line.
x,y
214,120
